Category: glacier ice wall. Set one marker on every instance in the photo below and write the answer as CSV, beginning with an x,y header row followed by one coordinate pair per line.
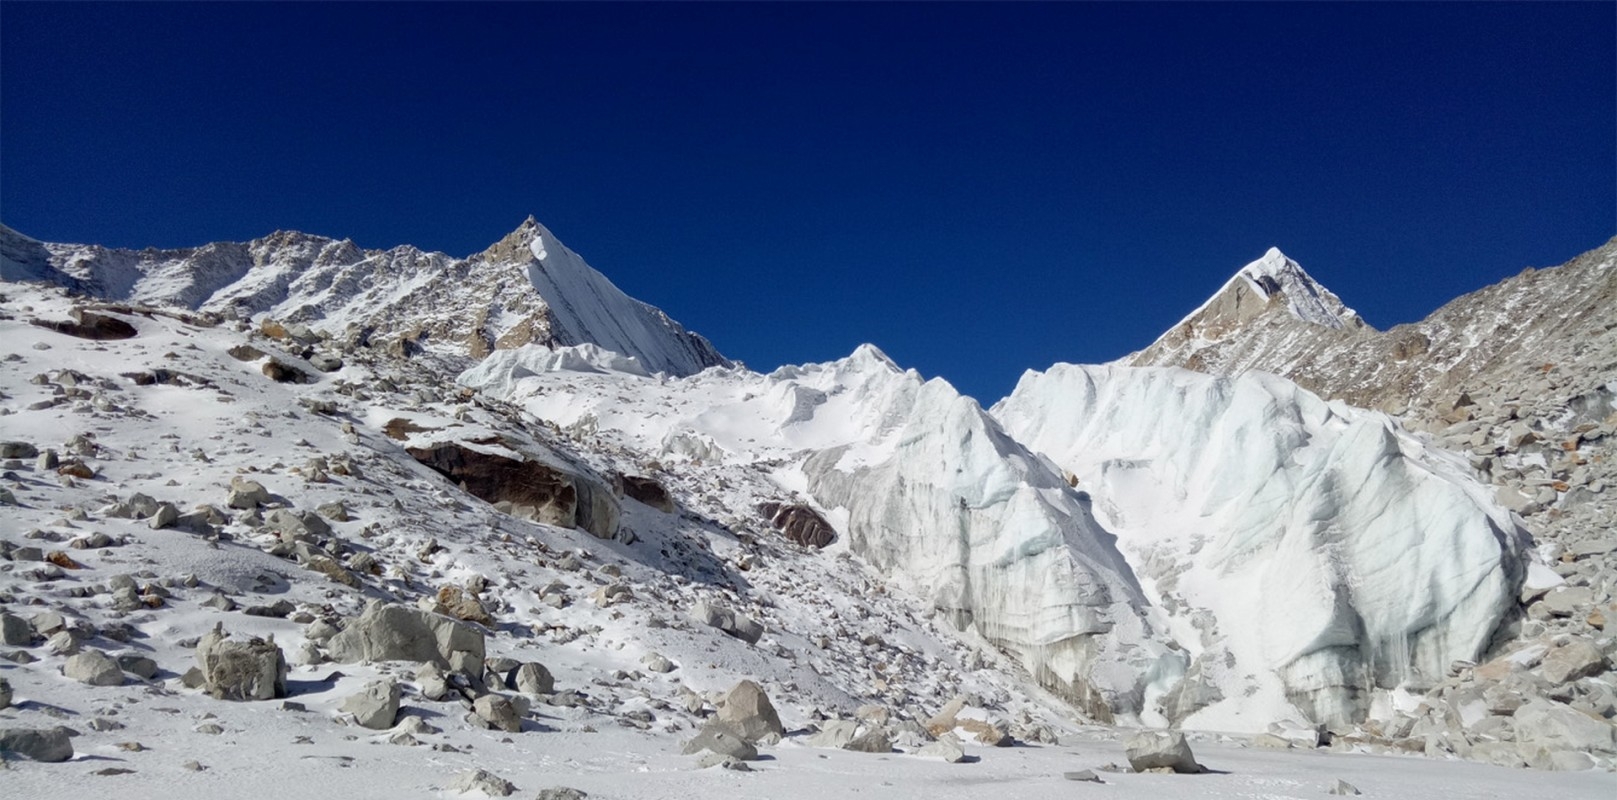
x,y
994,538
1306,538
935,495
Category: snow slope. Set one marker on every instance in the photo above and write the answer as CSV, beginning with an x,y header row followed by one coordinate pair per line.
x,y
1304,540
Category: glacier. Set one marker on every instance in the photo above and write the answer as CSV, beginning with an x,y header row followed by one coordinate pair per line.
x,y
1304,540
924,485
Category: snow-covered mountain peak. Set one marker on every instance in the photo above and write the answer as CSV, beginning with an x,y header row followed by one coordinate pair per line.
x,y
527,288
1276,274
1269,304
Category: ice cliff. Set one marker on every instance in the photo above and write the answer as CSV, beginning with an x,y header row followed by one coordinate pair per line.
x,y
1318,551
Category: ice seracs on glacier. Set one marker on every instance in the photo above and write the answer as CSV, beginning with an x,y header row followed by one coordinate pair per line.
x,y
1313,554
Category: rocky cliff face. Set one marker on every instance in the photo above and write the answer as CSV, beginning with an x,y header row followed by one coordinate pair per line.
x,y
527,288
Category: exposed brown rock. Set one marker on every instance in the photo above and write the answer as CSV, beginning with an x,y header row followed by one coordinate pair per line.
x,y
90,325
525,488
648,491
800,524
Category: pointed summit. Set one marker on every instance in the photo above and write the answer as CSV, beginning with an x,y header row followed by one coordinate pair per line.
x,y
520,245
1270,303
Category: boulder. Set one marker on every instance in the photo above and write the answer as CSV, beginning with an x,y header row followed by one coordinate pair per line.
x,y
498,713
526,487
531,678
139,666
391,632
735,624
1565,601
833,734
38,744
94,668
748,712
325,362
376,706
246,494
647,491
251,670
481,780
456,602
986,732
947,747
1576,659
800,524
874,740
1160,751
5,694
718,737
18,450
15,631
165,515
560,793
1559,727
434,684
90,325
944,721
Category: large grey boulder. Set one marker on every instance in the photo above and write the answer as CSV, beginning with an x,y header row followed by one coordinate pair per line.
x,y
246,494
947,747
38,744
390,632
251,670
531,678
376,706
498,713
718,737
874,740
480,780
1575,659
1559,727
834,734
5,694
94,668
731,622
15,631
748,712
1160,751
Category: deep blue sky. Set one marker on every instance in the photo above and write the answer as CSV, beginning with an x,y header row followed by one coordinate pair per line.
x,y
978,189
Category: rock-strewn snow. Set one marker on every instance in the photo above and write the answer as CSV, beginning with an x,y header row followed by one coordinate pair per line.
x,y
526,288
1303,539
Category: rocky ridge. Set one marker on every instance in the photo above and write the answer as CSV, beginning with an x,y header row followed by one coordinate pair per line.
x,y
525,288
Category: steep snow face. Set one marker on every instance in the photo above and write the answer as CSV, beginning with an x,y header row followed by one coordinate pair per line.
x,y
1304,541
527,288
919,480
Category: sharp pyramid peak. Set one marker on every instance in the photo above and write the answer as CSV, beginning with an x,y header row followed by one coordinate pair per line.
x,y
525,243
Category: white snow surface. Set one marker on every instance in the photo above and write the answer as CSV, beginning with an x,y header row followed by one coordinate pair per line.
x,y
1308,541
